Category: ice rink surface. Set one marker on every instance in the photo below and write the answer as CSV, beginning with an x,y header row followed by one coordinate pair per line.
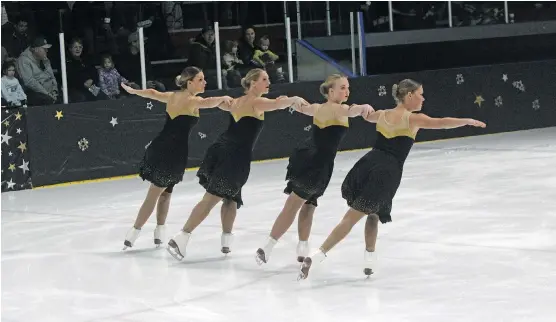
x,y
473,238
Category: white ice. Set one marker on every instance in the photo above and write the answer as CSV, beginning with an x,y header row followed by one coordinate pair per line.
x,y
473,238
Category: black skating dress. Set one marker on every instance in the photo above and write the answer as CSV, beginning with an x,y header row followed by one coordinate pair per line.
x,y
165,159
310,167
227,163
371,184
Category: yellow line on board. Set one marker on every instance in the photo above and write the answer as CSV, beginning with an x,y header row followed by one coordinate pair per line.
x,y
257,161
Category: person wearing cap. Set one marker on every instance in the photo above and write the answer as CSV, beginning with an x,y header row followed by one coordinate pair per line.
x,y
34,69
129,64
202,54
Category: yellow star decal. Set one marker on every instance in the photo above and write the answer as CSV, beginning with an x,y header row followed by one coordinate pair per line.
x,y
11,167
6,123
18,116
479,100
22,146
59,115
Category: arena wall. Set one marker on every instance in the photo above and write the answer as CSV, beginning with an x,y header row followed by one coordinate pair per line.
x,y
66,143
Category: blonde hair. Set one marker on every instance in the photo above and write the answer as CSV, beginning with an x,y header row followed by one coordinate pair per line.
x,y
252,76
406,86
328,83
187,75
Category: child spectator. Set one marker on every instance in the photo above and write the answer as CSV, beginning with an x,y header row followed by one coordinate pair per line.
x,y
12,92
110,78
229,62
266,59
263,55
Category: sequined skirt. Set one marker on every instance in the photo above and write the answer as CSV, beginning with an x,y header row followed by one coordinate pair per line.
x,y
225,170
370,186
159,177
309,173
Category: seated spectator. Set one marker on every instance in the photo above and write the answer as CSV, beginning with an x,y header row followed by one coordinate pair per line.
x,y
266,59
34,69
246,47
82,75
110,78
12,92
18,40
129,64
202,54
230,59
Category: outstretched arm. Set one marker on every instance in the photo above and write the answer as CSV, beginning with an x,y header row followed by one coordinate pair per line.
x,y
266,105
222,102
354,110
149,93
423,121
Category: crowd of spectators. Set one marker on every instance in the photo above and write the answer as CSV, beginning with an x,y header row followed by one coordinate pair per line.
x,y
102,44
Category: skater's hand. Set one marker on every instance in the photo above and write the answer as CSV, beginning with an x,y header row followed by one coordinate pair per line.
x,y
476,123
366,109
301,101
282,97
227,100
128,89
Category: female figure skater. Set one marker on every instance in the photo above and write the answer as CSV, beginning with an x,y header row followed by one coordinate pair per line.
x,y
310,167
227,162
166,157
371,184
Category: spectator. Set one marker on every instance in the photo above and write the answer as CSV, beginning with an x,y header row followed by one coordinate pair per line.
x,y
34,69
202,54
229,61
12,92
266,59
18,41
246,46
82,76
129,64
110,78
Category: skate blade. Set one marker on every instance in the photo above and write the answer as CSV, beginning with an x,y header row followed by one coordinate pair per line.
x,y
304,270
260,257
368,272
174,250
127,244
157,243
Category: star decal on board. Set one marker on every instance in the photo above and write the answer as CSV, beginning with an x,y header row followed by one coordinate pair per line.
x,y
11,184
22,146
6,138
24,166
114,121
479,100
59,115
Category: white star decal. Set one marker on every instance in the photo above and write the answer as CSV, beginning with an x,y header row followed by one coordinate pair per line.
x,y
18,131
6,138
10,153
149,106
114,121
11,184
505,77
24,166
